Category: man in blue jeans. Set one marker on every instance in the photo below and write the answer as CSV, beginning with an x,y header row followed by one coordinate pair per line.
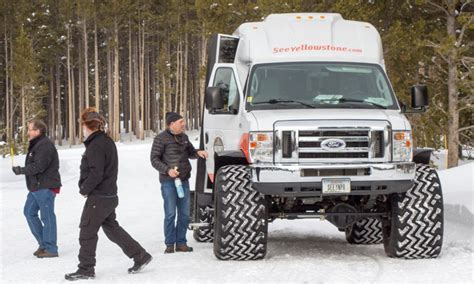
x,y
170,155
43,181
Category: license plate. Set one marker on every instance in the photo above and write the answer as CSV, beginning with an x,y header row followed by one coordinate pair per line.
x,y
336,186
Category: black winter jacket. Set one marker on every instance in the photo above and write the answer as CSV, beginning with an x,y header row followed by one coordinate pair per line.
x,y
169,151
99,166
42,165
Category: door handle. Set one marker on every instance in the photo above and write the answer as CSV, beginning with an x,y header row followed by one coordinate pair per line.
x,y
206,137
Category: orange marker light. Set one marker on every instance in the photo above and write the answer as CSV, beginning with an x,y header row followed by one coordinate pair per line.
x,y
253,145
322,17
298,17
262,137
310,17
399,136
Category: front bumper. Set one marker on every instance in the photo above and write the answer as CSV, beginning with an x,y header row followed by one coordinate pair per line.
x,y
306,180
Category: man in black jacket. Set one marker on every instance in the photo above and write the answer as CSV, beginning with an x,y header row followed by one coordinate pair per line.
x,y
170,155
98,183
43,181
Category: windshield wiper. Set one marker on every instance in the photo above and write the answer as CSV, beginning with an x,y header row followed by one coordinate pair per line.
x,y
344,100
362,102
278,101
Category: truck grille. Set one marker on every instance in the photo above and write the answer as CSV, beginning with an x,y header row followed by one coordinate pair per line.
x,y
356,144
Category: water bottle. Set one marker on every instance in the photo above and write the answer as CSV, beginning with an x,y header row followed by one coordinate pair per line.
x,y
179,187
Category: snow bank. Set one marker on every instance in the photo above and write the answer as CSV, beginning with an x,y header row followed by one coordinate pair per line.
x,y
458,192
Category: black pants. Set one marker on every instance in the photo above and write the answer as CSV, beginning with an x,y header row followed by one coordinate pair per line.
x,y
100,212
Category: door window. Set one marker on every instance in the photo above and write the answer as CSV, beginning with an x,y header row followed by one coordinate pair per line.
x,y
225,80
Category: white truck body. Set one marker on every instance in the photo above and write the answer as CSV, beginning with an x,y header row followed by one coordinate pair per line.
x,y
294,38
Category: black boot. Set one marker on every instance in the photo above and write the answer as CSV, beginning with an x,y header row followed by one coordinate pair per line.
x,y
79,275
140,263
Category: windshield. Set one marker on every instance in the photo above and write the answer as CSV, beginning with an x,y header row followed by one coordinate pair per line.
x,y
318,85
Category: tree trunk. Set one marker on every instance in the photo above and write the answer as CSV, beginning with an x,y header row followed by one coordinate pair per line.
x,y
12,98
195,92
185,80
177,79
96,66
202,77
71,115
86,63
80,85
73,102
165,105
136,84
52,121
116,111
141,45
147,93
453,120
110,89
153,98
59,127
130,81
23,116
8,98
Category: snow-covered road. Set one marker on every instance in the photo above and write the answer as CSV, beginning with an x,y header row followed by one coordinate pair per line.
x,y
302,251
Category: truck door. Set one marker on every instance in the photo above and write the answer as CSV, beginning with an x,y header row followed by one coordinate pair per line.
x,y
220,70
223,128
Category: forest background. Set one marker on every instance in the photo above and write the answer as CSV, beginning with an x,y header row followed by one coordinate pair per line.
x,y
135,60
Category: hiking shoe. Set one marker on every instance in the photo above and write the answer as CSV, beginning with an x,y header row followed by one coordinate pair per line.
x,y
38,251
183,248
79,275
46,254
140,264
169,249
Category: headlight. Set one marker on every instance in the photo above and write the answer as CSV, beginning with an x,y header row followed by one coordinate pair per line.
x,y
402,146
261,146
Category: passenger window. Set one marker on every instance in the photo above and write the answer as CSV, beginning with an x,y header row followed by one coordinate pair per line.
x,y
225,80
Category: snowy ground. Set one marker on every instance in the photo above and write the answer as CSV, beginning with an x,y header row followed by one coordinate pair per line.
x,y
302,251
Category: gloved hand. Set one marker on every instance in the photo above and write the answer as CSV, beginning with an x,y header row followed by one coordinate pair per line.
x,y
18,170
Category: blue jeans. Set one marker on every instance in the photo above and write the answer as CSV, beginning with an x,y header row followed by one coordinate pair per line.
x,y
43,230
175,232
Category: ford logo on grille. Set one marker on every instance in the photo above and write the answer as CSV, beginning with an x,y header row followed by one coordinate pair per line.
x,y
333,144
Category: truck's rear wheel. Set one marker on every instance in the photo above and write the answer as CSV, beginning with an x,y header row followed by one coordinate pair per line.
x,y
366,231
240,228
204,234
416,226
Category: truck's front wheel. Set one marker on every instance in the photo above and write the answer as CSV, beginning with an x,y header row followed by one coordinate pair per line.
x,y
415,229
366,231
240,227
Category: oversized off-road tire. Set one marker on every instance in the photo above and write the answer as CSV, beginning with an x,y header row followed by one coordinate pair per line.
x,y
204,234
240,227
415,228
367,231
